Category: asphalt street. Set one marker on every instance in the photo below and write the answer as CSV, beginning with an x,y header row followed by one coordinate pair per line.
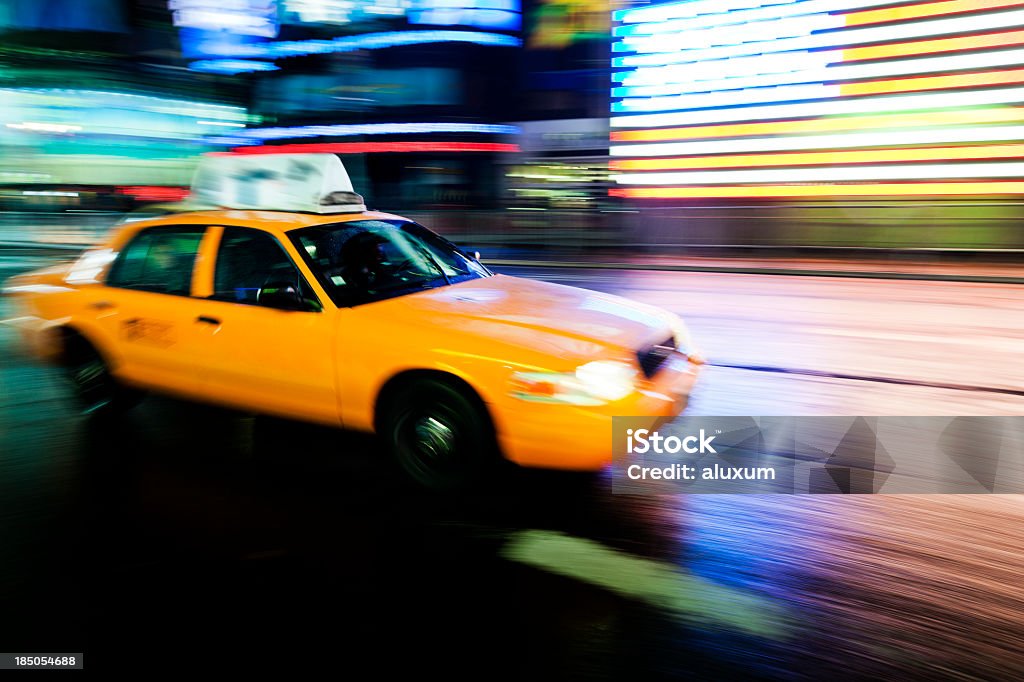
x,y
186,537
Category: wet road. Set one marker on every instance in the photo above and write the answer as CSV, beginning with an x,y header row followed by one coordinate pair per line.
x,y
181,536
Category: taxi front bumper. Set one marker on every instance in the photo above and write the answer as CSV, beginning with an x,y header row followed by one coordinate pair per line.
x,y
554,436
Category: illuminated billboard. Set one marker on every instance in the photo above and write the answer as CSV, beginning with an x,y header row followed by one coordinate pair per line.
x,y
363,90
236,36
818,98
557,24
501,15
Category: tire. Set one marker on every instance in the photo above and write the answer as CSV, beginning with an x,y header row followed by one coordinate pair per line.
x,y
438,434
95,388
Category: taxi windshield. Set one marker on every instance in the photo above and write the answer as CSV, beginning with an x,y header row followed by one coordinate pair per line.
x,y
369,260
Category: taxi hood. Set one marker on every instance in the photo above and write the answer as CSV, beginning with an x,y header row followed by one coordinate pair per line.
x,y
550,318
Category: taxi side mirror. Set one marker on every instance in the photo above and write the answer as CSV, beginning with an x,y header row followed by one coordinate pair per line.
x,y
283,296
476,255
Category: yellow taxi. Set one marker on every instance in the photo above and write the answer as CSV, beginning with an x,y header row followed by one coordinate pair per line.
x,y
273,290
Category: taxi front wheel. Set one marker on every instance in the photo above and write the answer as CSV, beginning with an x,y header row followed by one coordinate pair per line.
x,y
95,388
438,433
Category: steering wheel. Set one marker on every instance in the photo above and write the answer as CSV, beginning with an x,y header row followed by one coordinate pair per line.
x,y
401,267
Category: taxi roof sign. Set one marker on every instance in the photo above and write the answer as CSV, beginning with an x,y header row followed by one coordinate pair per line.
x,y
316,183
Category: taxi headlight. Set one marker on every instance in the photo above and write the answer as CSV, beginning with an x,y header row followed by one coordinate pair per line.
x,y
607,380
594,383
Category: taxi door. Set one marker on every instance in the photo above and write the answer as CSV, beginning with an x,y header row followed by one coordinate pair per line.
x,y
144,308
266,342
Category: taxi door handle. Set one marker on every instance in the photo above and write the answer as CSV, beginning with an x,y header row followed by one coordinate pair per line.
x,y
101,305
208,320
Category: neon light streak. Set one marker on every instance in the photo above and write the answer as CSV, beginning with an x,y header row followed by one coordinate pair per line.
x,y
690,8
728,98
1008,151
782,191
783,62
843,173
155,192
771,144
837,108
344,130
968,80
732,35
925,10
376,147
129,99
820,91
665,25
673,80
826,125
231,66
977,42
971,24
364,41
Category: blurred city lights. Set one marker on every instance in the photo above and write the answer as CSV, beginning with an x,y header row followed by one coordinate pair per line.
x,y
675,80
345,130
843,140
45,127
671,18
653,53
206,15
832,124
231,66
378,147
364,41
703,70
815,109
902,189
493,14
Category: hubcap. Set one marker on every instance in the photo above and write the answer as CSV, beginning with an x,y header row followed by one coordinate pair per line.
x,y
434,438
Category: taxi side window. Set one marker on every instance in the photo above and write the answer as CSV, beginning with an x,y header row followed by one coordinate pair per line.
x,y
158,259
248,262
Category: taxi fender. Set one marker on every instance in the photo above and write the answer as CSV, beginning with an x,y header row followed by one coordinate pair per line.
x,y
58,332
474,380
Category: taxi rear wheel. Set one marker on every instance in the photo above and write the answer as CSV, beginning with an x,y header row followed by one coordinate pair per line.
x,y
438,433
95,388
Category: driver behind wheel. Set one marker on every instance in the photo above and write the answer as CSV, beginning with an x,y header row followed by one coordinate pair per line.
x,y
363,259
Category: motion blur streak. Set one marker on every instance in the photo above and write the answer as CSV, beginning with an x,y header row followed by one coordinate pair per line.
x,y
548,573
845,140
678,80
929,583
879,189
1008,151
889,172
968,80
931,46
924,10
929,119
868,105
375,147
674,16
734,78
